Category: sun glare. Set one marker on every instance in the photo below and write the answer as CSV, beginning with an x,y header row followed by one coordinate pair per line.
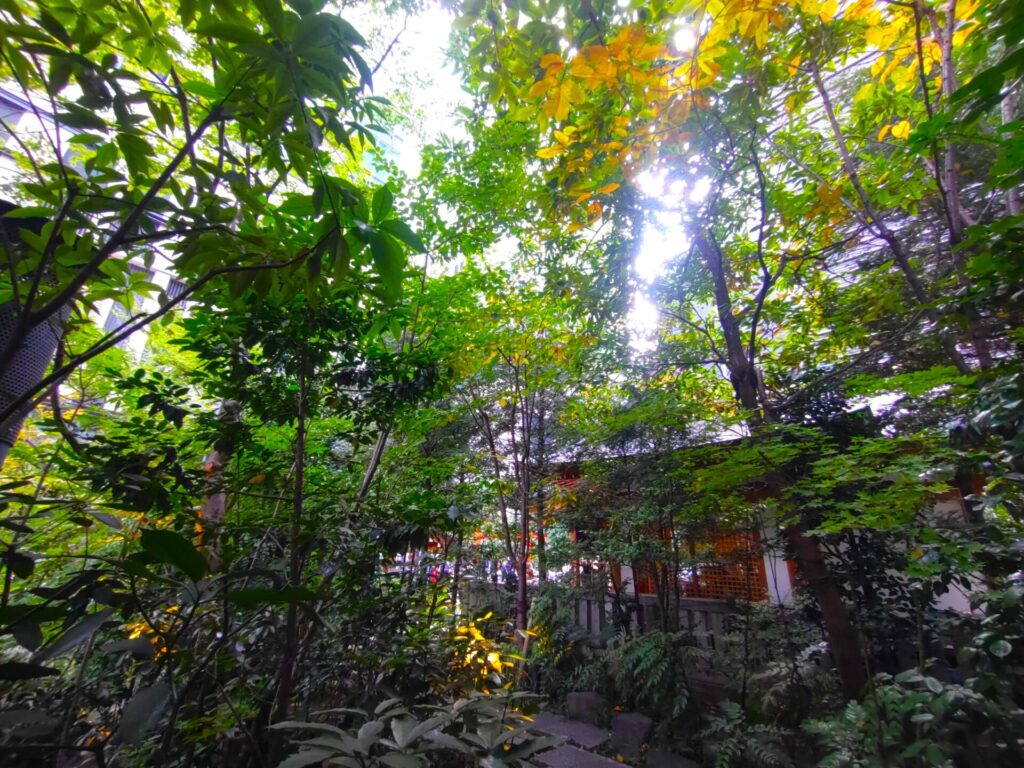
x,y
684,39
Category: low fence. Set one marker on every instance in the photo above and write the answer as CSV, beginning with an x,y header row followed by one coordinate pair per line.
x,y
477,597
706,619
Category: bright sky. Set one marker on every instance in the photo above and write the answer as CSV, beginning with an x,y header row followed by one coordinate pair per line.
x,y
417,66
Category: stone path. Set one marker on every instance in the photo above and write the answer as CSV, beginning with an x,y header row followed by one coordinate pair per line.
x,y
568,756
582,739
581,734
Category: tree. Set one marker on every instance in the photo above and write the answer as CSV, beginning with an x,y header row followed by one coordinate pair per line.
x,y
227,139
747,110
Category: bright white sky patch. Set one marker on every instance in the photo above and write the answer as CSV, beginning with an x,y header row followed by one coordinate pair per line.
x,y
642,322
651,183
700,190
663,241
684,39
417,68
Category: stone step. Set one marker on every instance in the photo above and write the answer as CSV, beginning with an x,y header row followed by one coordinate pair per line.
x,y
658,758
568,756
581,734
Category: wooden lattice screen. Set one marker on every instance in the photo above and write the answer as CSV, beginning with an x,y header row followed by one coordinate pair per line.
x,y
727,565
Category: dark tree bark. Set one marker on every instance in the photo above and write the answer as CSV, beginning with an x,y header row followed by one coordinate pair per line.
x,y
286,671
844,639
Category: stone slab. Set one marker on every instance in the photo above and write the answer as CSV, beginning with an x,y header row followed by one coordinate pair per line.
x,y
588,707
581,734
659,758
572,757
630,731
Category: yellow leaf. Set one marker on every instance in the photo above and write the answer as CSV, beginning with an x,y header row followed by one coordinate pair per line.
x,y
595,209
902,76
961,34
859,10
564,137
902,129
607,189
541,87
561,99
829,10
549,152
550,60
889,69
864,92
649,52
877,36
966,10
811,7
794,63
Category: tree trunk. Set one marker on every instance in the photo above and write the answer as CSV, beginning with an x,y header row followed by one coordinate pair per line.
x,y
1008,110
641,623
456,575
844,639
215,501
522,602
542,562
949,179
286,671
741,371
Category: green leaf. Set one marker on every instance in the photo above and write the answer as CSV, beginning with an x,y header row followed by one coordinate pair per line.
x,y
399,760
108,520
232,33
403,232
14,525
389,262
383,204
75,636
935,755
174,549
28,634
305,7
1000,649
142,711
139,647
136,152
273,13
80,117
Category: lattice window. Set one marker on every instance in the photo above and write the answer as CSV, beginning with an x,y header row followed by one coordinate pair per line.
x,y
728,565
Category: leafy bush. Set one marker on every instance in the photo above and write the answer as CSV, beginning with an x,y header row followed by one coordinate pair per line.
x,y
649,671
563,655
480,730
738,742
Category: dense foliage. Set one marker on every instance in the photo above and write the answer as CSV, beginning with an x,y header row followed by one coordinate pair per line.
x,y
340,485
